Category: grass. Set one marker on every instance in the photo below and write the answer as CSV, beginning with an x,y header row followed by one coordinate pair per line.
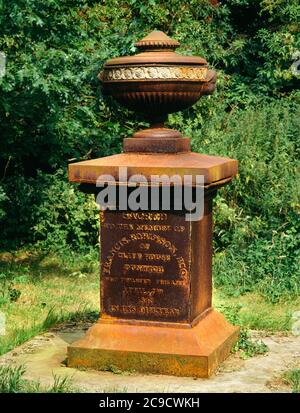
x,y
12,381
292,378
252,311
258,314
50,289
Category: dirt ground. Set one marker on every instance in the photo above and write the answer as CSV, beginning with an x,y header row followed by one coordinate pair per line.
x,y
45,355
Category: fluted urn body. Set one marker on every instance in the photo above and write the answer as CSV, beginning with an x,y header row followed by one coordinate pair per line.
x,y
157,81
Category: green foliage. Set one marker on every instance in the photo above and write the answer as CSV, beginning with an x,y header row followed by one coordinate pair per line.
x,y
249,348
50,212
292,377
3,198
7,291
12,381
257,221
26,280
51,107
11,378
246,346
61,385
52,112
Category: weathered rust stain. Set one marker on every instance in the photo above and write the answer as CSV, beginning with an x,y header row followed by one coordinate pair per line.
x,y
145,268
192,352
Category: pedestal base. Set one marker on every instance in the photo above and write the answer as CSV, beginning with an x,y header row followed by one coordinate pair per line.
x,y
195,351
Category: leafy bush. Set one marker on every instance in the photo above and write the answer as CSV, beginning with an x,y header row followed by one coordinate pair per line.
x,y
51,107
50,212
257,222
52,112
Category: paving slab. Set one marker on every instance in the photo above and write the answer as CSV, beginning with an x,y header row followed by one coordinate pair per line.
x,y
45,356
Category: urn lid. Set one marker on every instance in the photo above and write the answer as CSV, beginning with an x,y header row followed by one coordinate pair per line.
x,y
157,39
155,48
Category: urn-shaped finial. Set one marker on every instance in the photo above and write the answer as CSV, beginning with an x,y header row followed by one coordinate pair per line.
x,y
157,80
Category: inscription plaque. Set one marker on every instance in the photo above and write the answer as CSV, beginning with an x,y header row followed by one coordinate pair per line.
x,y
145,265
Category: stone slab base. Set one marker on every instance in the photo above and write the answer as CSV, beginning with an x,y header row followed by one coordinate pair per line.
x,y
195,351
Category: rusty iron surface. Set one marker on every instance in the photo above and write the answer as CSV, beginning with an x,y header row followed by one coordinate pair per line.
x,y
145,265
201,270
156,266
195,352
157,81
213,168
155,144
157,98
